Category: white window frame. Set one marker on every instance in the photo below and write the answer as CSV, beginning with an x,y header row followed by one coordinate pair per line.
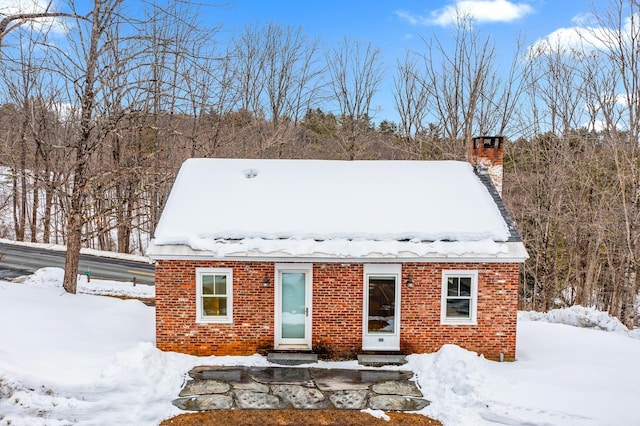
x,y
214,319
473,308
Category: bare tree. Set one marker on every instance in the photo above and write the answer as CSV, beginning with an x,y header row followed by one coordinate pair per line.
x,y
411,102
555,83
620,44
355,71
457,93
88,67
23,76
277,80
291,73
249,63
457,80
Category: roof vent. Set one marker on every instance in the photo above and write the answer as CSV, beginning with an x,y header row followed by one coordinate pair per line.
x,y
250,173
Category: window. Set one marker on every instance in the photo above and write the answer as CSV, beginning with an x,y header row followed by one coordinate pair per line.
x,y
382,304
214,288
459,297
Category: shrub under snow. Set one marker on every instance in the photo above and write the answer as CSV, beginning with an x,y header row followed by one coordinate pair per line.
x,y
580,316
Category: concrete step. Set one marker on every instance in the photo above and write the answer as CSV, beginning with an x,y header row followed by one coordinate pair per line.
x,y
292,358
380,360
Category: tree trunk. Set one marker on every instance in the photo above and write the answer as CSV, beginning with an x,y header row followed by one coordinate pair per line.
x,y
74,243
48,204
83,150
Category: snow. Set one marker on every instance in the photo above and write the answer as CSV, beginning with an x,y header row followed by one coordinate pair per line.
x,y
569,375
378,414
578,316
52,277
91,360
344,248
346,208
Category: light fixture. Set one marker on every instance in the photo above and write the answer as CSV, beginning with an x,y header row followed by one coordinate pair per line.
x,y
410,282
265,282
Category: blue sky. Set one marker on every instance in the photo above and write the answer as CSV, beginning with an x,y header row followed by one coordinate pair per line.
x,y
395,26
392,26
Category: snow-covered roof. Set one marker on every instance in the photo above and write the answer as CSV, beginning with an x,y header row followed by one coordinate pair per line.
x,y
338,208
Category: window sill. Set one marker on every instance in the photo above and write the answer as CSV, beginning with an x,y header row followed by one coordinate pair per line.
x,y
223,320
458,322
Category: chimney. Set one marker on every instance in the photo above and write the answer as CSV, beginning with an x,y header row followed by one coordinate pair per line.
x,y
486,155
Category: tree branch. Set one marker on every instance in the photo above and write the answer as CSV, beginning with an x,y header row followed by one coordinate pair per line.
x,y
23,18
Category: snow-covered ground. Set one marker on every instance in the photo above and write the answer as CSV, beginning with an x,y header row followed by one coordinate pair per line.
x,y
52,278
91,360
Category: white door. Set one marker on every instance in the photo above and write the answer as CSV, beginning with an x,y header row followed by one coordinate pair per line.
x,y
381,317
293,306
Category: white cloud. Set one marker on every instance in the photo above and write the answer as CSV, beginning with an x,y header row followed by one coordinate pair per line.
x,y
622,99
582,38
601,125
12,7
410,18
581,19
477,10
572,40
618,102
65,111
595,126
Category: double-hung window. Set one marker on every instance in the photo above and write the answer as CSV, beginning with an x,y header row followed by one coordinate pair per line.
x,y
214,292
459,297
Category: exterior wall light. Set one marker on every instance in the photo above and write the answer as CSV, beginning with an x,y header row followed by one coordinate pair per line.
x,y
265,282
410,282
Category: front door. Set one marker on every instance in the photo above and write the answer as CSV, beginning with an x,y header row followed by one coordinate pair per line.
x,y
381,318
293,306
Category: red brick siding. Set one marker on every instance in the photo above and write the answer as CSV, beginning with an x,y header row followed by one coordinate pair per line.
x,y
337,306
478,153
337,309
495,332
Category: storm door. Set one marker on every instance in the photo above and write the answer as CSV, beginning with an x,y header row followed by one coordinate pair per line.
x,y
381,319
293,306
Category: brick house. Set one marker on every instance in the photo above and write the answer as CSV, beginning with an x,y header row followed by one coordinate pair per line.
x,y
338,257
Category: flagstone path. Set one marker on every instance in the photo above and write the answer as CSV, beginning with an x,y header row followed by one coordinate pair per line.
x,y
214,388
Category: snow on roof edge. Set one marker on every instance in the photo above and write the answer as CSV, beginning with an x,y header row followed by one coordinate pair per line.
x,y
486,250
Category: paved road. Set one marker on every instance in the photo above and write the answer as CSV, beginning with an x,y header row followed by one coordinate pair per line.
x,y
29,259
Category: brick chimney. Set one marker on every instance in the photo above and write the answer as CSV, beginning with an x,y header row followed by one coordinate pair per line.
x,y
486,154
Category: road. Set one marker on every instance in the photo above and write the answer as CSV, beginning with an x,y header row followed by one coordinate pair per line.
x,y
29,259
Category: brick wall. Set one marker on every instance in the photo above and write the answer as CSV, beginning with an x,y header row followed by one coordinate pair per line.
x,y
495,332
337,309
491,154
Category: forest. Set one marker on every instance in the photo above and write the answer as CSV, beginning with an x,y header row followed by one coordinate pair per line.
x,y
98,109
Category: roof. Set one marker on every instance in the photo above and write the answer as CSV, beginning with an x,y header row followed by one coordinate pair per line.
x,y
226,207
485,178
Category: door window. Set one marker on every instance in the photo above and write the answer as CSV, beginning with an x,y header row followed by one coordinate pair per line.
x,y
382,304
293,305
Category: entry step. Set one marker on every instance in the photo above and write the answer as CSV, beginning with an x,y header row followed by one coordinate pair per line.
x,y
380,360
292,358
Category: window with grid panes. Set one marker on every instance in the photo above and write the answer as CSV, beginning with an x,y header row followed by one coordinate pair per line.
x,y
214,295
459,297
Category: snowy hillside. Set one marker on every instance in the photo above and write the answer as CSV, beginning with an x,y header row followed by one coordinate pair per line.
x,y
91,360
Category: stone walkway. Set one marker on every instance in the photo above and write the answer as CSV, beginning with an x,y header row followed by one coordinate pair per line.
x,y
214,388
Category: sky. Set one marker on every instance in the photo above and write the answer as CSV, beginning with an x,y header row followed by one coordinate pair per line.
x,y
401,25
393,26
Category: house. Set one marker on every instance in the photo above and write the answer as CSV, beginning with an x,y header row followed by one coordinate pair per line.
x,y
338,257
